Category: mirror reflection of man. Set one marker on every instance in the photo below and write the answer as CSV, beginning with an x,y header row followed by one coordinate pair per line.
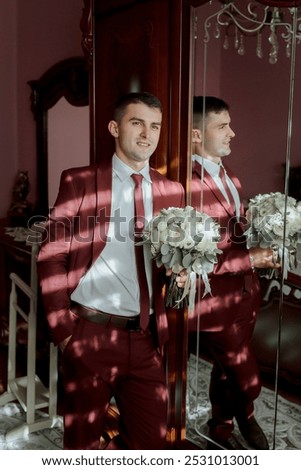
x,y
227,318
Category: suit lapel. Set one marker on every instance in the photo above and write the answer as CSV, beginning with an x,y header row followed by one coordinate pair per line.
x,y
157,193
103,204
210,183
161,198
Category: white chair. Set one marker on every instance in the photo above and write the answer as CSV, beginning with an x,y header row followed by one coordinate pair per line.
x,y
29,391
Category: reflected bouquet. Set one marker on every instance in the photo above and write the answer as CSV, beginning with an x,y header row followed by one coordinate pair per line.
x,y
275,222
183,239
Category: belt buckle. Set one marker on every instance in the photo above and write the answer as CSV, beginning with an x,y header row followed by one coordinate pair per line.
x,y
125,323
133,325
104,319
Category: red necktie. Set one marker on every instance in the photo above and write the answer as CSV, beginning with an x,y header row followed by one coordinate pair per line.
x,y
139,226
222,175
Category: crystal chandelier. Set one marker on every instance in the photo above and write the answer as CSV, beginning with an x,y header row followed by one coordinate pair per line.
x,y
238,20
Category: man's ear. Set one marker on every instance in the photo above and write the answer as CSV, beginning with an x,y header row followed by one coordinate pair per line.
x,y
113,128
196,136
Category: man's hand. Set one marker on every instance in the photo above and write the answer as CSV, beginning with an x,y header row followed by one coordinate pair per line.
x,y
263,258
181,277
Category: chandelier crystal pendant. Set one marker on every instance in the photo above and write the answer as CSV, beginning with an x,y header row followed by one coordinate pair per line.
x,y
237,20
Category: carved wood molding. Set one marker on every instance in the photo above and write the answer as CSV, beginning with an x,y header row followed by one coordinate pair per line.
x,y
68,78
272,3
86,26
281,3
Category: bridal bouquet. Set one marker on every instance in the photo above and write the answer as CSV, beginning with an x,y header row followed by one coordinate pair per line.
x,y
275,221
184,239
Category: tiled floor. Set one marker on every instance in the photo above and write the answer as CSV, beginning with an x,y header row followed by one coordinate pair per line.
x,y
12,417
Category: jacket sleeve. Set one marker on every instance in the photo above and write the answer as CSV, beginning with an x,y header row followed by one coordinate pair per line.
x,y
52,262
234,258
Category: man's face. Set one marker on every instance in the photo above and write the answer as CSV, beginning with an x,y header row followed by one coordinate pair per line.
x,y
217,136
137,134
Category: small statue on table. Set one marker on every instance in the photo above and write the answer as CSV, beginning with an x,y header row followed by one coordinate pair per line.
x,y
20,210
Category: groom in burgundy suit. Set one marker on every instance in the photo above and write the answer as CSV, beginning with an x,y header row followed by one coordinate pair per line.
x,y
225,320
91,287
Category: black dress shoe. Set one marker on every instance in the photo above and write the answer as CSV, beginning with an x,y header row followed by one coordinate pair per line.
x,y
230,444
222,436
219,445
252,433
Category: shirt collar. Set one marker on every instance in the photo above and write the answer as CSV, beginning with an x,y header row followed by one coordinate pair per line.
x,y
123,171
212,167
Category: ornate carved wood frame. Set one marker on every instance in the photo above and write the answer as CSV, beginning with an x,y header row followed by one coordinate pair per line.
x,y
68,78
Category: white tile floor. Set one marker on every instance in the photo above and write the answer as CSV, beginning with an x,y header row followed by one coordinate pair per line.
x,y
11,416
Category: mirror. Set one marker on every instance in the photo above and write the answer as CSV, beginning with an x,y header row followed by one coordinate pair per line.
x,y
68,142
255,75
54,101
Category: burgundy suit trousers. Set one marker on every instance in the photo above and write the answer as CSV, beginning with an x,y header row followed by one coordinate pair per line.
x,y
235,380
100,362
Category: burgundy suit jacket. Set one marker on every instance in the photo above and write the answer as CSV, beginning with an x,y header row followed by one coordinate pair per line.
x,y
233,284
76,235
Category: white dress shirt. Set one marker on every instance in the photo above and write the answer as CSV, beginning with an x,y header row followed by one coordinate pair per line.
x,y
111,284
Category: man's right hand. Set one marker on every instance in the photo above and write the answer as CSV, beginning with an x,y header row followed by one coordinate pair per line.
x,y
180,279
263,258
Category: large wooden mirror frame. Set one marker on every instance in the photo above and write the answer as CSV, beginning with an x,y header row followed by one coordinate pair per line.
x,y
68,78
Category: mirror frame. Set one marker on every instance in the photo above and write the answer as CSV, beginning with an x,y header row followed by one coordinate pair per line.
x,y
68,78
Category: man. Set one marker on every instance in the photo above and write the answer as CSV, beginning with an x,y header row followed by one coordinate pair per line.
x,y
91,291
226,319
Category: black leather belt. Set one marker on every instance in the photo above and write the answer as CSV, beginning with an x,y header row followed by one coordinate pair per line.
x,y
96,316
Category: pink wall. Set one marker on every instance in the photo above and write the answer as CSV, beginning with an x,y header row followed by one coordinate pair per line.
x,y
34,34
68,142
8,95
258,96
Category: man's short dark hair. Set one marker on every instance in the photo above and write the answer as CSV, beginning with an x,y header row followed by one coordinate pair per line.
x,y
205,105
135,97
